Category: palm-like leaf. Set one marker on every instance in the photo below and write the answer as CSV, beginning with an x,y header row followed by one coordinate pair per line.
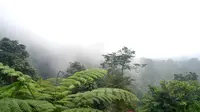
x,y
17,105
83,77
98,95
82,110
7,71
59,93
24,87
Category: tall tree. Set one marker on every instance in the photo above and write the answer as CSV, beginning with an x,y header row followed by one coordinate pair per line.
x,y
15,55
120,60
116,64
75,67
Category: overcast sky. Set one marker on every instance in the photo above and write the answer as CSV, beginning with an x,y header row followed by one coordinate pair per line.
x,y
153,28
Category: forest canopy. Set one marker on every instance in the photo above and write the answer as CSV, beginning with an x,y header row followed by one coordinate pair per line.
x,y
118,84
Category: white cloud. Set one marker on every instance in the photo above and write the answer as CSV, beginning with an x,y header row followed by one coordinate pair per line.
x,y
154,28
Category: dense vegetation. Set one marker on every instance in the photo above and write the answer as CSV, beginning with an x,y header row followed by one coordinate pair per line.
x,y
117,85
56,94
15,55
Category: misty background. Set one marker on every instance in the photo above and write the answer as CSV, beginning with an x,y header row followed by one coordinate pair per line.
x,y
164,34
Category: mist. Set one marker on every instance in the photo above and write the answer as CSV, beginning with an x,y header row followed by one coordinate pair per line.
x,y
71,31
53,55
147,53
155,29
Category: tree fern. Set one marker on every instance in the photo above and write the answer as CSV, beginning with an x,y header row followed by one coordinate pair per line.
x,y
23,91
7,71
66,85
83,77
82,110
8,75
86,99
49,86
98,95
17,105
59,94
24,87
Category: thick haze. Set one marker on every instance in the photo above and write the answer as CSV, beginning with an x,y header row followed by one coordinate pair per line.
x,y
154,29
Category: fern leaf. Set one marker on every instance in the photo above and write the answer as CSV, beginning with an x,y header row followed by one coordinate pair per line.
x,y
82,110
83,77
2,67
17,105
6,70
102,94
41,106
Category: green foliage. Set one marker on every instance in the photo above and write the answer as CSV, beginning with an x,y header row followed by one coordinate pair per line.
x,y
8,75
15,55
83,77
173,96
77,67
186,77
17,105
57,94
2,82
82,110
74,67
89,99
158,70
22,86
116,63
195,107
69,85
117,80
108,95
118,60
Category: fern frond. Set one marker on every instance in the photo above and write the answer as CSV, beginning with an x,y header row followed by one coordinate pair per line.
x,y
24,88
7,91
83,77
64,86
82,110
41,106
55,92
6,70
2,67
17,105
98,95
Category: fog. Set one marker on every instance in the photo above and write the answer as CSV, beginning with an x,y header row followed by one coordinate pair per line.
x,y
162,75
155,29
63,31
55,55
